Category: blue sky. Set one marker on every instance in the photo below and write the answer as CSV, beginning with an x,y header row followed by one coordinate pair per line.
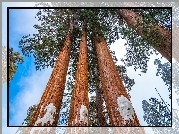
x,y
28,84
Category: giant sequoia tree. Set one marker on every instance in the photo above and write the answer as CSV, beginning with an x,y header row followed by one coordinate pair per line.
x,y
47,44
157,36
138,27
55,87
79,110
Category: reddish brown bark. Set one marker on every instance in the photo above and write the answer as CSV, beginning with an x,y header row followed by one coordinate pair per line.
x,y
55,87
80,91
111,84
154,33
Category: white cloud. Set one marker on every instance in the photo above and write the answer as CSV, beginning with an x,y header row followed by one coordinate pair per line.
x,y
32,88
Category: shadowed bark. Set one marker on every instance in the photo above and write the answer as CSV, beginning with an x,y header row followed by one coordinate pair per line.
x,y
54,90
154,33
111,84
100,107
80,91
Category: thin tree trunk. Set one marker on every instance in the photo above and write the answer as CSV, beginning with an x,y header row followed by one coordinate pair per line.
x,y
121,113
100,107
51,99
99,99
79,110
160,36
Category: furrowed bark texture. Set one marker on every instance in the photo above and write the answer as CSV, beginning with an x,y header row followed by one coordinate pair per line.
x,y
80,91
111,84
163,44
55,87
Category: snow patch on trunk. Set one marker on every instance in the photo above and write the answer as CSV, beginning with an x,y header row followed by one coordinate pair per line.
x,y
84,114
51,109
125,108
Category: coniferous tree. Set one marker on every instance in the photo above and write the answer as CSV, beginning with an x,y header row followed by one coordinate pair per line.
x,y
156,113
112,86
55,87
79,110
164,70
157,36
14,57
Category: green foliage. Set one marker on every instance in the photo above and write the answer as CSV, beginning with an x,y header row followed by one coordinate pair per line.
x,y
14,59
156,113
140,48
125,78
30,114
165,71
161,17
47,43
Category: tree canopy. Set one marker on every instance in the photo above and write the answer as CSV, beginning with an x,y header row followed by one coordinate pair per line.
x,y
46,44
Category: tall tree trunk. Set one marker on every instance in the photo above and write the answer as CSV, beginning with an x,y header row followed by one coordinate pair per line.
x,y
47,113
120,110
100,107
99,99
155,32
79,110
